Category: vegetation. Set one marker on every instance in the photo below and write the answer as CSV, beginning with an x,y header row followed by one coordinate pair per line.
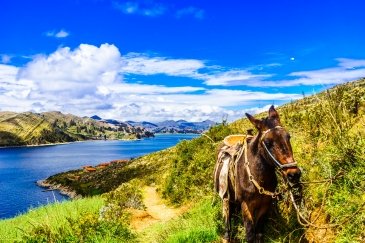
x,y
29,128
199,224
328,139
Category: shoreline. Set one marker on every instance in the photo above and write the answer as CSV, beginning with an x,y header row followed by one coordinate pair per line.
x,y
62,189
89,140
37,145
64,143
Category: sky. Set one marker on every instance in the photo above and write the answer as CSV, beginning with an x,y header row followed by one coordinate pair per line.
x,y
152,60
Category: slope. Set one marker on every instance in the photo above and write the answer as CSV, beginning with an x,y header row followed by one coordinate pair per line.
x,y
328,139
29,128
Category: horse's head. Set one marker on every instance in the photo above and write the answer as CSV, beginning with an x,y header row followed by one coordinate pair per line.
x,y
275,143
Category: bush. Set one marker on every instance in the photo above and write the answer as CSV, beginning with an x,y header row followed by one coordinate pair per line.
x,y
127,195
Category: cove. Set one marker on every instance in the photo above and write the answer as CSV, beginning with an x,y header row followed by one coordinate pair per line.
x,y
21,167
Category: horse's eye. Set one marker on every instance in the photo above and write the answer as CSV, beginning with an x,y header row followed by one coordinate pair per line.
x,y
268,142
288,136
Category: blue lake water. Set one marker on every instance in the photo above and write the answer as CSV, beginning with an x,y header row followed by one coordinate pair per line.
x,y
21,167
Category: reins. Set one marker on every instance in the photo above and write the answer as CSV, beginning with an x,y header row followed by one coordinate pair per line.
x,y
262,190
250,176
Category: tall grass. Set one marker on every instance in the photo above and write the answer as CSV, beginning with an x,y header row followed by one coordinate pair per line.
x,y
71,221
53,216
200,224
329,142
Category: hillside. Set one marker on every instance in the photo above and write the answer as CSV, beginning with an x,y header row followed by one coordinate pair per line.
x,y
29,128
328,139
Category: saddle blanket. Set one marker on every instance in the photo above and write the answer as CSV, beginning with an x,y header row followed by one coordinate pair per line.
x,y
226,161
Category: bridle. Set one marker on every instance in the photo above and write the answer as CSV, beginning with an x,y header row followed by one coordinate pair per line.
x,y
244,149
276,162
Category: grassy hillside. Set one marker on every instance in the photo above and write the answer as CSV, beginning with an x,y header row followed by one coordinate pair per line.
x,y
54,127
328,139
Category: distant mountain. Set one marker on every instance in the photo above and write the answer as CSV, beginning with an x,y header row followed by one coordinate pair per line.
x,y
147,125
182,126
95,117
30,128
168,126
171,126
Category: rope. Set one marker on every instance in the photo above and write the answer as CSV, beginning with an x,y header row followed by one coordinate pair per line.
x,y
252,179
307,223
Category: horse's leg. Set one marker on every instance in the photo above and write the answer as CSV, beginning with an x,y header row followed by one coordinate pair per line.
x,y
227,219
261,219
248,223
260,228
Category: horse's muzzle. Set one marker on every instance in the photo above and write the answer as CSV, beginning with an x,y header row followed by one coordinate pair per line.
x,y
293,175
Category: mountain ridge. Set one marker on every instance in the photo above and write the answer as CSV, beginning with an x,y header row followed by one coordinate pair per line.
x,y
167,126
29,128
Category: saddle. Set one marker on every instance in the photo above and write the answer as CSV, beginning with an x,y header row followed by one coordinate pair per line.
x,y
226,166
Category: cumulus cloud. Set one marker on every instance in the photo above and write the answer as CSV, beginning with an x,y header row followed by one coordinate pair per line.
x,y
89,80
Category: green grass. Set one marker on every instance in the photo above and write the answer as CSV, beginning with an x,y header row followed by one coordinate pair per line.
x,y
53,216
71,221
200,224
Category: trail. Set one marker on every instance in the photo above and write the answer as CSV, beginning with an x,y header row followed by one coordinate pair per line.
x,y
156,210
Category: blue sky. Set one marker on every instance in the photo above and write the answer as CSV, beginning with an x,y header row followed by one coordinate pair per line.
x,y
154,60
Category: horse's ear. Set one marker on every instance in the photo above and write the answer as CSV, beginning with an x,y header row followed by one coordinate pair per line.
x,y
273,113
254,121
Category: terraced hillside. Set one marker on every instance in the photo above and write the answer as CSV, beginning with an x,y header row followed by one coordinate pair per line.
x,y
29,128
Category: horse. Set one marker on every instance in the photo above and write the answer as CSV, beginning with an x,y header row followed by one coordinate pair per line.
x,y
251,179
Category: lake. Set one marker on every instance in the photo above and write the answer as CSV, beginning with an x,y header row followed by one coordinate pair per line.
x,y
21,167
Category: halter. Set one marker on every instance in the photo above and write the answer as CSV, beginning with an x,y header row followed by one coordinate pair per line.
x,y
277,163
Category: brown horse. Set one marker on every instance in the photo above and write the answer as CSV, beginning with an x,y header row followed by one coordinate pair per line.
x,y
251,179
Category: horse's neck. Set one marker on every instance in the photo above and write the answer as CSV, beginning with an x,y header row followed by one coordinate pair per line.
x,y
259,163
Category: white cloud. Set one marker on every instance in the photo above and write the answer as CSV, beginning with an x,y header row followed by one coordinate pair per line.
x,y
141,64
75,71
7,73
149,8
190,11
347,70
58,34
89,80
143,89
233,77
351,63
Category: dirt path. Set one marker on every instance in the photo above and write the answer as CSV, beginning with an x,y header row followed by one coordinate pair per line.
x,y
156,210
